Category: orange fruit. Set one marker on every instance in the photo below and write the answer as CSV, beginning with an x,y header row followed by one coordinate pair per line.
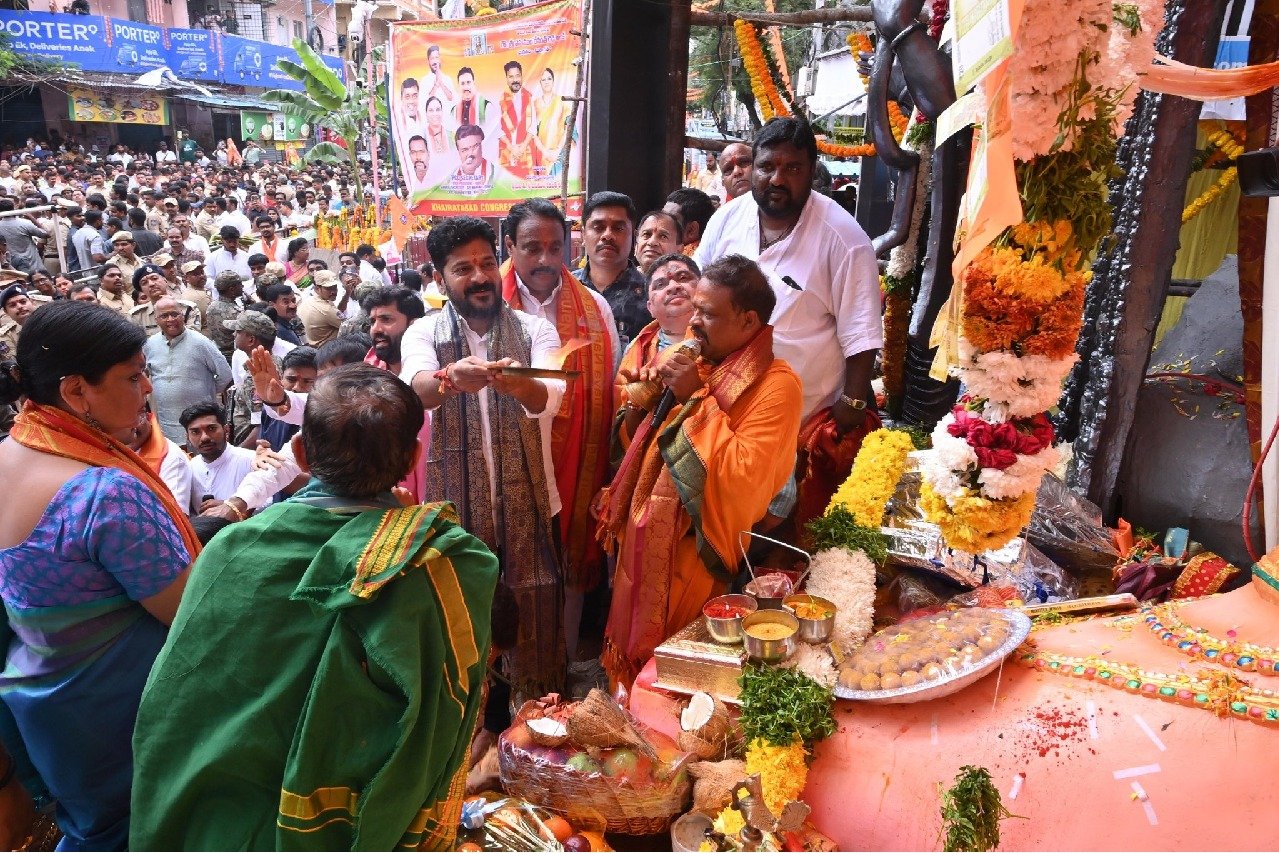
x,y
559,827
470,847
598,843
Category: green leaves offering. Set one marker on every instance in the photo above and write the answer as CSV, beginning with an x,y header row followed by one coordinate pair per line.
x,y
780,705
971,811
838,529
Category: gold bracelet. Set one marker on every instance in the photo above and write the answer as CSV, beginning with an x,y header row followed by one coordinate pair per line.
x,y
235,509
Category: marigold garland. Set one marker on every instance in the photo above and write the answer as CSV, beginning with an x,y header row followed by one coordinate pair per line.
x,y
783,773
859,43
876,471
761,79
975,524
1226,144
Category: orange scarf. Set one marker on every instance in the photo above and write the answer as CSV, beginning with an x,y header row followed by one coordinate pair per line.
x,y
580,431
156,446
51,430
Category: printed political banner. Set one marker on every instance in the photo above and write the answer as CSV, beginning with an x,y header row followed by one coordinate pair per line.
x,y
113,108
478,118
193,55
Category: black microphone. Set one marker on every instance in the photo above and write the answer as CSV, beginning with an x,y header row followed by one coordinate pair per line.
x,y
691,347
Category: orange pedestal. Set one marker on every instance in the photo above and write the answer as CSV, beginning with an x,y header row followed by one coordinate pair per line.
x,y
1087,766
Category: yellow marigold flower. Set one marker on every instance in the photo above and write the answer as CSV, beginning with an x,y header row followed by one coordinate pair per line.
x,y
876,471
783,771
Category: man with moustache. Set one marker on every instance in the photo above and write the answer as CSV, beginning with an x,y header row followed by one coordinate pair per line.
x,y
735,166
391,311
411,121
420,157
195,288
474,173
185,368
535,281
670,289
471,108
111,291
688,486
608,228
218,466
514,145
821,267
491,435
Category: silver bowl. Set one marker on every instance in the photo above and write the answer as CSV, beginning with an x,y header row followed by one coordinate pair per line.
x,y
728,630
812,630
767,602
770,651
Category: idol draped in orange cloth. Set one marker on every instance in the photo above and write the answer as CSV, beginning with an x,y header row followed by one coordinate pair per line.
x,y
684,494
579,433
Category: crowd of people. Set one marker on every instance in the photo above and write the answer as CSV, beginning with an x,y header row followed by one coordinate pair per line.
x,y
287,543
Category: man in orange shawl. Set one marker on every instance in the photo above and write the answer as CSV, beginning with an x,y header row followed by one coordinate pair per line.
x,y
535,281
671,280
691,485
516,143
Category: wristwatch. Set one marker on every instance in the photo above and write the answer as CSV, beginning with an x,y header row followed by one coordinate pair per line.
x,y
852,402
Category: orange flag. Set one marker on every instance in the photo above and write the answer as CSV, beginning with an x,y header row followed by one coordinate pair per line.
x,y
401,221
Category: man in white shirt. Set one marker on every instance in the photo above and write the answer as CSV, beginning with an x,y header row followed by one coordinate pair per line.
x,y
192,241
269,243
491,432
229,256
820,264
218,466
536,281
365,253
231,215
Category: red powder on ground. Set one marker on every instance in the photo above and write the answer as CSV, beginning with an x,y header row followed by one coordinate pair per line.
x,y
1049,730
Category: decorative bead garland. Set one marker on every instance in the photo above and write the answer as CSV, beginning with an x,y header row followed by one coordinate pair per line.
x,y
1172,631
1222,693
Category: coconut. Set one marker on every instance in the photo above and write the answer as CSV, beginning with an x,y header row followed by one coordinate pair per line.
x,y
713,784
547,731
599,721
709,731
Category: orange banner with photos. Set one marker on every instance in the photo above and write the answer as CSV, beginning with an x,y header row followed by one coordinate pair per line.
x,y
478,116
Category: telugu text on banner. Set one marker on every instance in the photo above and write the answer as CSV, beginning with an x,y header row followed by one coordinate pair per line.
x,y
478,117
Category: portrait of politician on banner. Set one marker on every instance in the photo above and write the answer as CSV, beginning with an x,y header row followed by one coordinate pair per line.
x,y
477,112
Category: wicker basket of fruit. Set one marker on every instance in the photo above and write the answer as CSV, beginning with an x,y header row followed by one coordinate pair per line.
x,y
590,756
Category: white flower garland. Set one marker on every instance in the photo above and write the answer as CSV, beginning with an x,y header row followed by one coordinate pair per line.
x,y
847,579
1015,386
902,259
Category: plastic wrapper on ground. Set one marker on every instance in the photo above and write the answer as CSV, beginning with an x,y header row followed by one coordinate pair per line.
x,y
1069,530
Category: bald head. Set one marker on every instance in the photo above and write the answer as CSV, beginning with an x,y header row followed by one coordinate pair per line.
x,y
169,316
735,169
